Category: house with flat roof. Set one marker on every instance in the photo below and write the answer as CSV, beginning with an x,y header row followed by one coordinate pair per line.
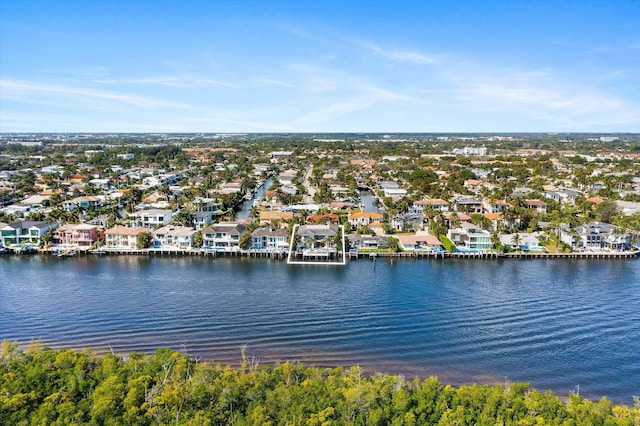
x,y
469,237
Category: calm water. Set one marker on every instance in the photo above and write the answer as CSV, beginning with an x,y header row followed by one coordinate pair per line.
x,y
554,323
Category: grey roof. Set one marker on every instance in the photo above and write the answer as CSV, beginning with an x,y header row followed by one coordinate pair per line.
x,y
26,224
228,227
317,230
269,232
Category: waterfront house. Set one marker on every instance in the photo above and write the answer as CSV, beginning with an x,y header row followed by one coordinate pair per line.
x,y
522,241
173,237
317,237
420,241
151,217
223,236
25,232
469,237
81,235
368,242
596,236
123,238
270,239
435,204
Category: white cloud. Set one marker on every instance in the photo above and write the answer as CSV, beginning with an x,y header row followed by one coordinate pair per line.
x,y
31,92
169,81
401,55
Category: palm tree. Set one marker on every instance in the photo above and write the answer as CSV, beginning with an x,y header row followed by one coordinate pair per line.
x,y
516,240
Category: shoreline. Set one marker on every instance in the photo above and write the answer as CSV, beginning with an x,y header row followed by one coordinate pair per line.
x,y
281,255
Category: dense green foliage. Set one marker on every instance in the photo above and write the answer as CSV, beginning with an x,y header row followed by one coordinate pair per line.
x,y
46,386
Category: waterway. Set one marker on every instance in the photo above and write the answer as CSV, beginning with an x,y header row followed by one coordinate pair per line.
x,y
557,324
245,206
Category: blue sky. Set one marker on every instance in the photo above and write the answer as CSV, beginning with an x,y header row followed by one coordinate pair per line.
x,y
319,66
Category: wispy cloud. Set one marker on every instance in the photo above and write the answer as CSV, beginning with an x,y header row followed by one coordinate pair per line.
x,y
29,91
169,81
400,55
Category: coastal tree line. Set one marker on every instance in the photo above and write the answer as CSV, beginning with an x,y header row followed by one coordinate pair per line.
x,y
64,387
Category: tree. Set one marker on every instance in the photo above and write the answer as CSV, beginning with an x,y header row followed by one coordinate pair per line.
x,y
144,240
605,211
393,244
516,240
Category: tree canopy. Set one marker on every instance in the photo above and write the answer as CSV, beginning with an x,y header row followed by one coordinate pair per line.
x,y
46,386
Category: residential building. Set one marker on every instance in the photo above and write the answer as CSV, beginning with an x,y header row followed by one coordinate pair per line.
x,y
330,218
367,242
522,241
364,218
537,206
151,218
317,237
407,222
494,206
203,219
467,205
174,237
596,236
270,239
469,237
223,236
269,216
201,204
84,203
25,232
82,235
563,196
435,204
421,241
123,238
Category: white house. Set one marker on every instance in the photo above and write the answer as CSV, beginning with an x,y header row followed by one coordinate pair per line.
x,y
223,236
436,204
152,217
25,232
469,237
174,237
268,238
